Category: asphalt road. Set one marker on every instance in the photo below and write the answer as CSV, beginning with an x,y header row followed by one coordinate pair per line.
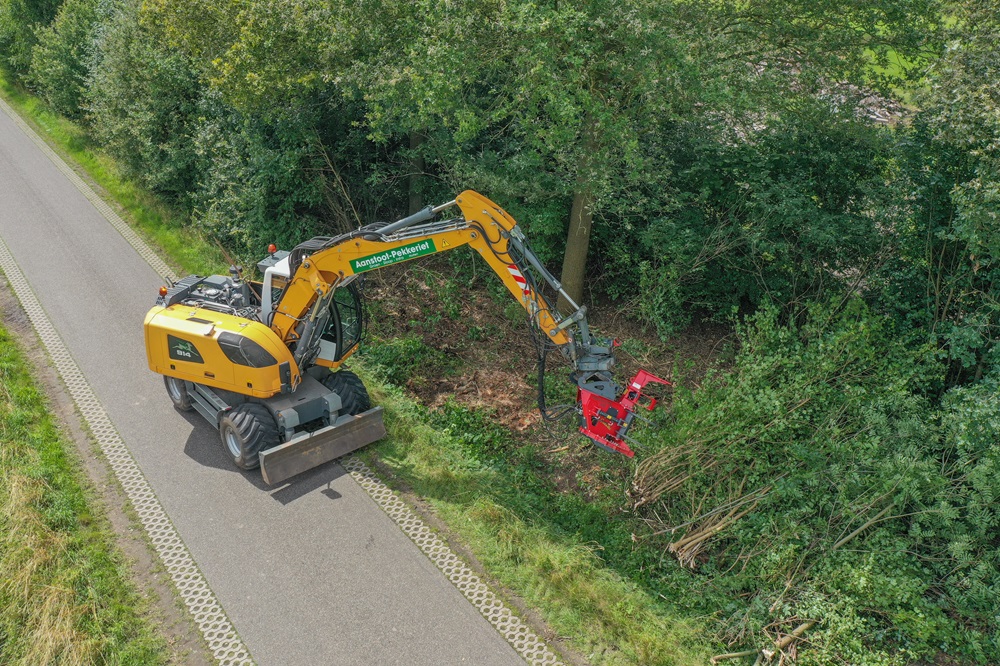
x,y
310,573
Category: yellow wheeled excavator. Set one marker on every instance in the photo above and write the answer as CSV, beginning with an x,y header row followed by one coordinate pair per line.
x,y
262,361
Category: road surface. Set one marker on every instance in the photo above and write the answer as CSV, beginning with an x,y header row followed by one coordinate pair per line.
x,y
311,573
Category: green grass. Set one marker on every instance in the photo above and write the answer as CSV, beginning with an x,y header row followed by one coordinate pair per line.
x,y
408,359
539,543
65,593
160,225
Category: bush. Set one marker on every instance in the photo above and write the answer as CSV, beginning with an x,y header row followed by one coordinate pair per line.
x,y
816,482
144,103
20,20
61,60
782,216
261,181
971,428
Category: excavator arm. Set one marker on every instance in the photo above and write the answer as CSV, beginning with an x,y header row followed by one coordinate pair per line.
x,y
318,267
322,264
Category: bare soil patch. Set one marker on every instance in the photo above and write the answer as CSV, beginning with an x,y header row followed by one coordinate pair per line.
x,y
494,362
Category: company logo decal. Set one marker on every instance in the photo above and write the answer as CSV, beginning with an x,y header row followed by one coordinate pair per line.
x,y
394,256
182,350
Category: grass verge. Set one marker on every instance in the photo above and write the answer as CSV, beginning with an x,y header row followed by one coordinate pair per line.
x,y
65,594
603,615
511,522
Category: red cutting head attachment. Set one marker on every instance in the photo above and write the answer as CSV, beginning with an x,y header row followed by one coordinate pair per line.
x,y
607,421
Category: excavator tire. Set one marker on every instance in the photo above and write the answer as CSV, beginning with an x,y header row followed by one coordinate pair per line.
x,y
353,394
247,430
177,390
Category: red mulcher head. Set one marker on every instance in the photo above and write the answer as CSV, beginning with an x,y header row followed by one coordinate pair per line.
x,y
607,422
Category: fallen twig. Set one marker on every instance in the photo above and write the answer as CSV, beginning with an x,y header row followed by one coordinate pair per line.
x,y
766,654
732,655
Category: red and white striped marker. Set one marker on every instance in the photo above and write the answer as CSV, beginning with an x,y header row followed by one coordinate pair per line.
x,y
519,278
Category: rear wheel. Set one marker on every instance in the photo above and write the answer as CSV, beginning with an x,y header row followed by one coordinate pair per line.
x,y
354,398
246,431
177,390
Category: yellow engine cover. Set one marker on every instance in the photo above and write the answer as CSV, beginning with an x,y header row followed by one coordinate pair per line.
x,y
216,349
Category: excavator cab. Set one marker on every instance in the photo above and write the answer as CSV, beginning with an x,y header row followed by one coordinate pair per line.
x,y
345,317
343,333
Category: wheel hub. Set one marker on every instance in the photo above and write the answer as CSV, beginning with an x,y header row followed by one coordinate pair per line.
x,y
233,443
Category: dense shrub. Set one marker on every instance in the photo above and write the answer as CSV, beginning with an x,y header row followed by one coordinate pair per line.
x,y
64,54
786,214
144,101
20,21
261,182
816,482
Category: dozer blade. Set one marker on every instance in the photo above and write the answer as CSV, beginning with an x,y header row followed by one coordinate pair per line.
x,y
311,450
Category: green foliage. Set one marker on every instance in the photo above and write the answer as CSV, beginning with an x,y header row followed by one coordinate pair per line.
x,y
451,291
259,185
785,217
939,281
20,20
731,163
476,431
971,427
143,100
61,60
405,360
942,280
814,481
963,108
243,179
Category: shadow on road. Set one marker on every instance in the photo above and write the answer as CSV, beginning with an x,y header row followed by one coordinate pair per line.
x,y
305,483
203,444
204,447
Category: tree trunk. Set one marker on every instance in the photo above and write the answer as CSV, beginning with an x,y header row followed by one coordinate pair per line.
x,y
577,243
416,171
581,216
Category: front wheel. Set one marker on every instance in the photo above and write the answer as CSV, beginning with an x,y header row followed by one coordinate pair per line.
x,y
353,395
246,431
177,390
